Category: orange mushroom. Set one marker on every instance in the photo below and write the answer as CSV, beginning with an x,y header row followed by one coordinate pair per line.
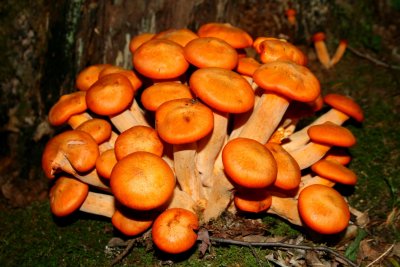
x,y
173,230
341,49
342,108
142,181
282,81
338,154
323,137
334,171
99,129
236,37
254,201
105,163
138,138
160,59
273,49
88,76
205,52
321,49
139,39
249,163
68,106
180,36
323,209
130,222
291,16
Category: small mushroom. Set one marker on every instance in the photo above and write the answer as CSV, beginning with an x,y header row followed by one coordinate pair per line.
x,y
173,230
340,50
273,49
254,201
291,16
321,49
334,171
139,39
105,163
66,107
88,76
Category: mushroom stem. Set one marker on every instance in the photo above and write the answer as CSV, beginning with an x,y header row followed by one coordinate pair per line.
x,y
99,204
210,146
92,178
308,154
265,117
185,170
341,49
286,208
308,180
321,49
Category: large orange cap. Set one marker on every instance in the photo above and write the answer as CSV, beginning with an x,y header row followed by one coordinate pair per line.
x,y
184,120
334,171
142,181
174,230
138,138
139,39
222,89
99,129
323,209
249,163
256,200
236,37
332,134
135,81
279,49
155,95
289,174
288,79
160,59
131,223
346,105
105,163
70,148
179,36
88,76
207,52
67,195
67,106
110,95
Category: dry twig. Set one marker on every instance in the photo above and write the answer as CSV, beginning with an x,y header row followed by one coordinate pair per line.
x,y
372,59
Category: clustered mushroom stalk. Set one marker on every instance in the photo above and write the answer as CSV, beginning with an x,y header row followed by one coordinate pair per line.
x,y
210,133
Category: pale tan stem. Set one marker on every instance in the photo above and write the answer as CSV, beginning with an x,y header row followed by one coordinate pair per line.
x,y
138,114
75,120
209,147
265,118
286,208
300,137
185,170
99,204
308,180
181,199
322,53
341,49
92,178
308,154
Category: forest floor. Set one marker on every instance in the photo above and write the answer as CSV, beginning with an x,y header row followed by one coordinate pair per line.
x,y
31,236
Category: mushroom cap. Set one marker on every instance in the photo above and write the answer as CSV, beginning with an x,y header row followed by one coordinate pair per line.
x,y
273,49
67,195
288,79
179,36
135,81
290,12
247,66
138,138
105,163
139,39
255,201
346,105
222,89
332,134
76,148
249,163
338,154
131,223
153,96
160,59
88,76
289,174
67,106
207,52
99,129
173,230
236,37
334,171
318,36
184,120
142,181
323,209
110,95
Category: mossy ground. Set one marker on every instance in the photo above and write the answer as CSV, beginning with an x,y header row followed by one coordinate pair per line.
x,y
33,237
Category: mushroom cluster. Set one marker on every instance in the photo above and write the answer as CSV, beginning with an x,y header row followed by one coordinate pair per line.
x,y
196,128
